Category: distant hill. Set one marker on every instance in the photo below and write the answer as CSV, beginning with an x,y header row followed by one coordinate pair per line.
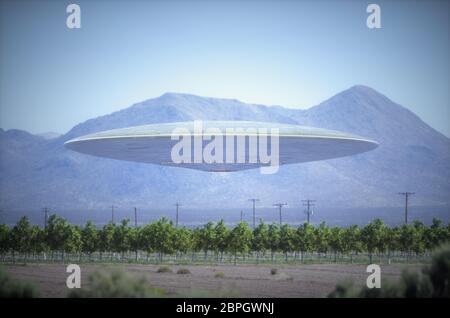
x,y
49,135
412,156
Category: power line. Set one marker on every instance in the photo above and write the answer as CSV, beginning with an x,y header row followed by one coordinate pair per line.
x,y
308,203
112,213
254,200
406,194
45,210
178,204
280,205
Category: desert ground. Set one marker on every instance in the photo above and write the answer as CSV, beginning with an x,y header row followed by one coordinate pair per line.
x,y
315,280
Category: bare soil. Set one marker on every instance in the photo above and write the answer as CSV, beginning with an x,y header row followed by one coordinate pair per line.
x,y
316,280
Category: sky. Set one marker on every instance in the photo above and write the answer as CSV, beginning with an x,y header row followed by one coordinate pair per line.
x,y
290,53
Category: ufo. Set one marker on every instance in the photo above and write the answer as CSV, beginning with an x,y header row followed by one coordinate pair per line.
x,y
221,146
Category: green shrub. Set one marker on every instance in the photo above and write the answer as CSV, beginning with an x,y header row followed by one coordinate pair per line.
x,y
348,290
115,283
183,271
219,275
227,292
439,272
10,288
432,281
164,269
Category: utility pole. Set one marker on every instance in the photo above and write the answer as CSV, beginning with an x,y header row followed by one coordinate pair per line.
x,y
280,205
308,203
112,214
242,214
253,200
135,217
178,204
45,216
406,194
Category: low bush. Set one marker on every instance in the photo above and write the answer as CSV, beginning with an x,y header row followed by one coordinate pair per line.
x,y
10,288
229,292
432,281
219,275
115,283
164,269
183,271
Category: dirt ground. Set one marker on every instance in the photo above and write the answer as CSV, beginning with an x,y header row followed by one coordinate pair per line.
x,y
242,280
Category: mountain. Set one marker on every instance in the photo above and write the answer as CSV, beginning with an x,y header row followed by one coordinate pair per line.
x,y
172,107
49,135
412,156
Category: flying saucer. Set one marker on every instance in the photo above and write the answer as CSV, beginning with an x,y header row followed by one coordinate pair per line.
x,y
234,148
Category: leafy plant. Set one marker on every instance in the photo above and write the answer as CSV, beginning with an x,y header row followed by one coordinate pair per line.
x,y
115,283
219,275
240,239
10,288
164,269
24,240
432,281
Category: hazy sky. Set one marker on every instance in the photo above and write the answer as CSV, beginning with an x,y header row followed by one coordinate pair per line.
x,y
290,53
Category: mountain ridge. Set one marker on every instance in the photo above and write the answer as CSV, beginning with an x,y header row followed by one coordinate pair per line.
x,y
412,156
